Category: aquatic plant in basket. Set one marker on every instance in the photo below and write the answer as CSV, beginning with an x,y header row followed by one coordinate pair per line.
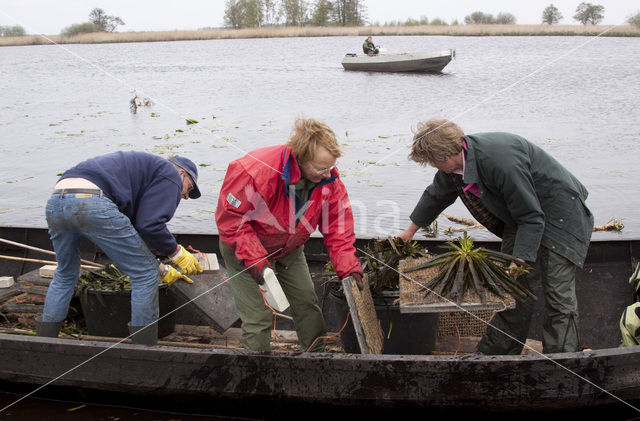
x,y
381,258
464,268
380,262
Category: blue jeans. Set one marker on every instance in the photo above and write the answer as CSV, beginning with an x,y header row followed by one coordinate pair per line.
x,y
98,219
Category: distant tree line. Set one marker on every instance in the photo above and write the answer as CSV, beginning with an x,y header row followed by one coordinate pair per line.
x,y
257,13
488,18
12,31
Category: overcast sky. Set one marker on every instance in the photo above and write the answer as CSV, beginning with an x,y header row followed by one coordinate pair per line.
x,y
51,16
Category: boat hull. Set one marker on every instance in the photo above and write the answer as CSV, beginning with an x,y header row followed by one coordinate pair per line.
x,y
243,381
503,384
419,62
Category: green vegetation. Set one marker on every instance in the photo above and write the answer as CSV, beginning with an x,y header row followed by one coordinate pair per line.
x,y
589,13
108,279
81,28
634,20
380,262
12,31
108,23
465,268
487,18
99,21
551,15
259,13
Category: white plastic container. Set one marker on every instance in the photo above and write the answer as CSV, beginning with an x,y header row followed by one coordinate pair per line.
x,y
273,292
6,281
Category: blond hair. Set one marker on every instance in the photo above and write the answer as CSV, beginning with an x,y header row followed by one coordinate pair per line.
x,y
307,134
436,140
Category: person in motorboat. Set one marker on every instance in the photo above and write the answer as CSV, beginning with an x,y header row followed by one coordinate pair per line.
x,y
121,202
369,48
524,196
271,201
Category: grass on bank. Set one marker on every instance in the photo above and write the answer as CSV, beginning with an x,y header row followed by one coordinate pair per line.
x,y
314,31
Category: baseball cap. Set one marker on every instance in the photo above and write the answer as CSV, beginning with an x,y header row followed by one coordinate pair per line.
x,y
191,169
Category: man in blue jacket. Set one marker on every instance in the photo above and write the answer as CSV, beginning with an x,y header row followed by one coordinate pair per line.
x,y
526,197
121,202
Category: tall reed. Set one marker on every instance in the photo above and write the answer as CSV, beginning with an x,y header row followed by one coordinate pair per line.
x,y
315,31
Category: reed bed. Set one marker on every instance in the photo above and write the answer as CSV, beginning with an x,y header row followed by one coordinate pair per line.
x,y
314,31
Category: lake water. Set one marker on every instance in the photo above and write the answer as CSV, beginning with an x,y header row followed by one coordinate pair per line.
x,y
576,97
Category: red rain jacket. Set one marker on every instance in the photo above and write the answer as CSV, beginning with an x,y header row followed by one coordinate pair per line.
x,y
256,213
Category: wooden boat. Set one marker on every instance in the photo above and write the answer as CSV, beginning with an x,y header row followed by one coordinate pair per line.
x,y
404,62
604,380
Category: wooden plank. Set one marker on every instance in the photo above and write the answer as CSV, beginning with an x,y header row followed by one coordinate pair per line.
x,y
208,262
364,317
448,307
355,319
10,292
21,308
33,278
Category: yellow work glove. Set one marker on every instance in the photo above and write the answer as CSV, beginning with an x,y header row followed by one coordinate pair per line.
x,y
187,262
173,275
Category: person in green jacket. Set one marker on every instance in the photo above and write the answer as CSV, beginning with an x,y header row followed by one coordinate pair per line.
x,y
369,48
524,196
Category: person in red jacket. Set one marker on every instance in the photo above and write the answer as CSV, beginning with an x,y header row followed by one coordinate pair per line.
x,y
271,200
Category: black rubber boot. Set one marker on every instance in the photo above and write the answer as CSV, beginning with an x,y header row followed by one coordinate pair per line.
x,y
47,329
144,335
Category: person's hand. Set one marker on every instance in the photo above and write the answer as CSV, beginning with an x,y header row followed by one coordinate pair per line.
x,y
186,261
405,236
512,270
257,271
408,234
173,275
358,278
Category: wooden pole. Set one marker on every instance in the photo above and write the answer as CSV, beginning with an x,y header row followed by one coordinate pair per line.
x,y
13,243
47,262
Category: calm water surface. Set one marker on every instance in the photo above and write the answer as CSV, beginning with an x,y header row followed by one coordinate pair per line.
x,y
576,97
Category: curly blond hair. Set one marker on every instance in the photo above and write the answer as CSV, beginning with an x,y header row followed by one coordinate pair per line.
x,y
436,140
307,134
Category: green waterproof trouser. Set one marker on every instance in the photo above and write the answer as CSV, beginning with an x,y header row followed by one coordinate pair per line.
x,y
507,331
258,320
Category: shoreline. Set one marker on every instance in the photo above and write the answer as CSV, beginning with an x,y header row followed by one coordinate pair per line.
x,y
284,32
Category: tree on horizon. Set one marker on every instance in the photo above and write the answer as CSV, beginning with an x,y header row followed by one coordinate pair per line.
x,y
505,19
479,17
634,20
551,15
295,12
589,13
100,18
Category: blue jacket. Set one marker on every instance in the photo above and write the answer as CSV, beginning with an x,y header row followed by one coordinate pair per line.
x,y
146,188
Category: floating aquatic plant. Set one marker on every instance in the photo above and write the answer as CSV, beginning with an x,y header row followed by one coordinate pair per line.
x,y
614,224
464,268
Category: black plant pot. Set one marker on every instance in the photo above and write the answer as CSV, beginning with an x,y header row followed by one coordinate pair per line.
x,y
107,313
404,334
